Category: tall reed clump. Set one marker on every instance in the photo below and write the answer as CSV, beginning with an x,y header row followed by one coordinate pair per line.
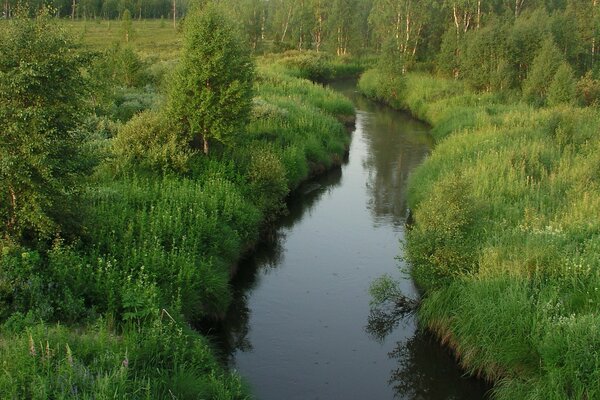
x,y
505,242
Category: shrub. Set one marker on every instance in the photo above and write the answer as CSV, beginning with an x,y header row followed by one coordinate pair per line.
x,y
268,184
440,244
150,142
562,89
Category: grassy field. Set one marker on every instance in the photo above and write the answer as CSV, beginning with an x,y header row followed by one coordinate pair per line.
x,y
108,316
506,240
155,39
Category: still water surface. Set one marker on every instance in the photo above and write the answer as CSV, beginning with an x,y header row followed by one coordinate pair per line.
x,y
300,326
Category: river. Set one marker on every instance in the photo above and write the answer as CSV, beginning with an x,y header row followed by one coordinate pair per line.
x,y
301,326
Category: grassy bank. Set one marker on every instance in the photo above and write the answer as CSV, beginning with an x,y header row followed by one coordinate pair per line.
x,y
108,315
506,239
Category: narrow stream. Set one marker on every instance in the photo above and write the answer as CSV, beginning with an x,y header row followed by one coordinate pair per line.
x,y
300,326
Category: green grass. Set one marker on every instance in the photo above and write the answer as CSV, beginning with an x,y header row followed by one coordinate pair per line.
x,y
164,228
153,39
506,239
163,361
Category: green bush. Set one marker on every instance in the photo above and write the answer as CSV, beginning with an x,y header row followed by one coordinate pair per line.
x,y
268,184
563,88
149,141
441,245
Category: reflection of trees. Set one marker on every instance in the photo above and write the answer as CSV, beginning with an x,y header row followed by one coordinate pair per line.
x,y
384,319
425,370
397,144
231,334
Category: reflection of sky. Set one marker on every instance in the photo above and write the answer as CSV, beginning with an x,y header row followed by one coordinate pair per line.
x,y
297,328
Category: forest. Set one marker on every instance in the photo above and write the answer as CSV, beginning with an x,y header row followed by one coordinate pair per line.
x,y
147,145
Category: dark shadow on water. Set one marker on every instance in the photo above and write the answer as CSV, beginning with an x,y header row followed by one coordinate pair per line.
x,y
425,370
231,334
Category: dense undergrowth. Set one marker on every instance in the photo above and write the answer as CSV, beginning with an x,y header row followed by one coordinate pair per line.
x,y
506,240
107,316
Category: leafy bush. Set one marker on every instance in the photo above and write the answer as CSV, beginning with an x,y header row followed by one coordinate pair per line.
x,y
562,89
268,184
149,141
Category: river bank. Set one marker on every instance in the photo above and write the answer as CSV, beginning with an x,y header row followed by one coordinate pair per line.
x,y
300,325
111,314
503,245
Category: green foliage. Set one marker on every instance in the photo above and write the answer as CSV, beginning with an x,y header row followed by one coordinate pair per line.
x,y
563,88
159,362
447,60
212,89
588,90
382,86
126,25
149,141
42,102
442,243
384,289
391,61
542,72
268,183
502,242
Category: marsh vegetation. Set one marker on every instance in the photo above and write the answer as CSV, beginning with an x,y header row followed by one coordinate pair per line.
x,y
140,158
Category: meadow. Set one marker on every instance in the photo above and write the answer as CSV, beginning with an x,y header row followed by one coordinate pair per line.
x,y
110,314
506,235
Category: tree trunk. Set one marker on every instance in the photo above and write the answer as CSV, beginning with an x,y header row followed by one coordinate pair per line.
x,y
407,27
478,14
262,25
456,19
73,8
12,220
206,145
398,23
594,4
287,23
518,7
174,15
318,35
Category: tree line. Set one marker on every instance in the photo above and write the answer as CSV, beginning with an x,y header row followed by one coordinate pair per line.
x,y
461,38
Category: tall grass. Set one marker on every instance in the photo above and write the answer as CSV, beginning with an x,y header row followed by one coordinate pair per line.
x,y
506,239
108,316
162,362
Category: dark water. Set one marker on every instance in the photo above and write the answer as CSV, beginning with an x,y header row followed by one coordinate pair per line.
x,y
300,326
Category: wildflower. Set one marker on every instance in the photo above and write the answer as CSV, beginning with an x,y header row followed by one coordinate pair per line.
x,y
69,355
32,346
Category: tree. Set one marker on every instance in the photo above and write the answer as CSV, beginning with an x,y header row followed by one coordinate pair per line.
x,y
42,102
545,64
212,91
126,25
563,88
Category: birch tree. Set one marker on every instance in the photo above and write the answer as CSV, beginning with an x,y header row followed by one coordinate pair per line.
x,y
212,92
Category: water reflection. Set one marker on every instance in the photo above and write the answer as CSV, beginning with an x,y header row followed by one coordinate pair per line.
x,y
295,328
391,157
421,363
231,334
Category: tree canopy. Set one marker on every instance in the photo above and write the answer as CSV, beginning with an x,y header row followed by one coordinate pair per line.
x,y
42,103
212,90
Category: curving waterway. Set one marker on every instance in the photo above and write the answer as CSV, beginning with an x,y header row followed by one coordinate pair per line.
x,y
300,326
